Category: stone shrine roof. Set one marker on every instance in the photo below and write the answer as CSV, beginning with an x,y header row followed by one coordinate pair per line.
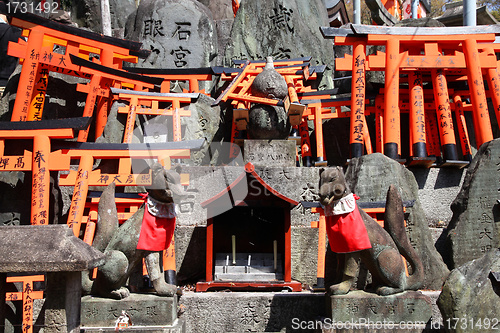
x,y
45,248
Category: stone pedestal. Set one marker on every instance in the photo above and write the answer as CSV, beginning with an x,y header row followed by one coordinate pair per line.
x,y
270,153
359,311
145,310
251,311
62,304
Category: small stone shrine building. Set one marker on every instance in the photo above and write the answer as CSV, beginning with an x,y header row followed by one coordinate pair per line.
x,y
248,240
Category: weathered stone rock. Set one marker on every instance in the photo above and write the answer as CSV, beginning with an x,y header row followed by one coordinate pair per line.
x,y
221,9
268,122
471,294
222,13
269,83
369,177
474,227
179,34
87,14
437,188
281,29
250,312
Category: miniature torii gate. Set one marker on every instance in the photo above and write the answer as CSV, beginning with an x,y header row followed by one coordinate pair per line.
x,y
193,76
27,295
429,40
295,71
137,99
44,36
41,160
103,78
84,177
320,109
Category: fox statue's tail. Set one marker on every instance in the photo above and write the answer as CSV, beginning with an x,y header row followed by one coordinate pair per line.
x,y
394,224
107,224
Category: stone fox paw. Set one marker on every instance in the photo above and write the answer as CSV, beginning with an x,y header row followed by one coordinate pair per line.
x,y
388,245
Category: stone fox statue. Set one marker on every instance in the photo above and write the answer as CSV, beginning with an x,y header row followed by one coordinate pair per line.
x,y
120,243
353,233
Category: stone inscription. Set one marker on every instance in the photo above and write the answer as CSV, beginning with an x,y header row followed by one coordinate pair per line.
x,y
273,153
379,308
144,310
178,35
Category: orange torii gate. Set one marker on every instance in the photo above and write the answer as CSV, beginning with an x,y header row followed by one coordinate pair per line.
x,y
41,160
192,76
103,78
295,72
27,295
51,43
87,153
328,108
493,77
137,99
303,129
429,49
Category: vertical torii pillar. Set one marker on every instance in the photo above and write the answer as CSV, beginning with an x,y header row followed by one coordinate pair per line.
x,y
478,94
417,115
443,111
358,89
392,130
493,76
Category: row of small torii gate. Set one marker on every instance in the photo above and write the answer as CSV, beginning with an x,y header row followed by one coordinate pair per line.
x,y
412,55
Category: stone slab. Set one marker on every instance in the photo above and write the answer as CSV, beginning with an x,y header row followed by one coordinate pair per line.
x,y
249,311
270,153
371,311
473,229
144,310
